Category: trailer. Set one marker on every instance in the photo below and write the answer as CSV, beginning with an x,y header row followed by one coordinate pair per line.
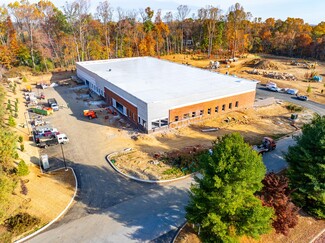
x,y
44,111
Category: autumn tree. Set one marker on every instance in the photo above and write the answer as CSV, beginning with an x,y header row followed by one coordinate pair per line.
x,y
27,18
210,16
105,14
276,194
222,203
236,18
307,167
182,13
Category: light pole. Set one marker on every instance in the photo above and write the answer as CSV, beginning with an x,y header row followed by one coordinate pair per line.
x,y
65,164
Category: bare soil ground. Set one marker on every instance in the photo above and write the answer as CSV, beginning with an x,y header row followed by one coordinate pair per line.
x,y
48,194
306,230
253,124
274,63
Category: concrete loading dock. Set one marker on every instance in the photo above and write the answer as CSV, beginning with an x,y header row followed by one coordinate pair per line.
x,y
156,94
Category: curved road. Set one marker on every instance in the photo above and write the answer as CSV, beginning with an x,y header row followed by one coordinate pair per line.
x,y
110,208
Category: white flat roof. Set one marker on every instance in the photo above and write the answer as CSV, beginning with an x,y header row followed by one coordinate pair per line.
x,y
154,80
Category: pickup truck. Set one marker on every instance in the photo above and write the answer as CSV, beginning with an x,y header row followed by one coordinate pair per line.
x,y
58,139
268,144
53,104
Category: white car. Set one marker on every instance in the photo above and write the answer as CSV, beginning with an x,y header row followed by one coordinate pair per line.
x,y
273,88
292,91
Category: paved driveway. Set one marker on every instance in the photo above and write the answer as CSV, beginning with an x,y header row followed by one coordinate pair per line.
x,y
110,208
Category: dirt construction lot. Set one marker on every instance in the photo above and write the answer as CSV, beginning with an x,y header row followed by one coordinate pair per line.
x,y
252,65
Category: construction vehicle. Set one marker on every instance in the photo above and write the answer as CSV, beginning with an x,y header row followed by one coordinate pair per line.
x,y
268,144
91,114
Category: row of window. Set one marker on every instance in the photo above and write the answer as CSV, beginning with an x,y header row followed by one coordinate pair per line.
x,y
201,112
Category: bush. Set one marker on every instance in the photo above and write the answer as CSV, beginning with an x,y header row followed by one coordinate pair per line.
x,y
22,169
21,223
24,189
309,89
22,147
11,121
172,171
20,139
9,107
294,108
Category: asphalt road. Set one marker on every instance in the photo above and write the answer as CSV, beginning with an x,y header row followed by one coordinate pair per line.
x,y
110,208
262,92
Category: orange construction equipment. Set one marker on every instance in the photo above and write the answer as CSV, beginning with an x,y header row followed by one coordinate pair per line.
x,y
90,114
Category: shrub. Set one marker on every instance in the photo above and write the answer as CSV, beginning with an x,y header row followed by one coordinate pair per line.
x,y
22,169
11,121
9,107
24,189
20,139
309,89
172,171
294,108
21,223
22,147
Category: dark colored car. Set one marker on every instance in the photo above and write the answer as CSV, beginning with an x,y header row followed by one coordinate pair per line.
x,y
302,97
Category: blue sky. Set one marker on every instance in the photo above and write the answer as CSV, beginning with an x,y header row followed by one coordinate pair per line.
x,y
311,11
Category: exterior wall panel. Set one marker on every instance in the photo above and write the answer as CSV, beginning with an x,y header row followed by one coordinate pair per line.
x,y
244,100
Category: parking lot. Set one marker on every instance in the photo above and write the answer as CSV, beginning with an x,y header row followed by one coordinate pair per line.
x,y
89,143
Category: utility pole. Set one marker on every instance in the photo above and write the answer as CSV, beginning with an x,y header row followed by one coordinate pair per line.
x,y
65,164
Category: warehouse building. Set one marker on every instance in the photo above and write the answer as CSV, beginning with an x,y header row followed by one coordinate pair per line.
x,y
156,94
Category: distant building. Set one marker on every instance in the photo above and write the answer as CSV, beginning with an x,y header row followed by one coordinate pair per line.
x,y
156,94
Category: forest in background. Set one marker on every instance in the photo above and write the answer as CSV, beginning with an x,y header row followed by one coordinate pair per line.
x,y
43,37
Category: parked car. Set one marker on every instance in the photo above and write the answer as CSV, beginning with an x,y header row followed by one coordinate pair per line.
x,y
302,97
273,88
292,91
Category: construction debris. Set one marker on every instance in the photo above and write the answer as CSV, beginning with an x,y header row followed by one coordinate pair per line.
x,y
210,129
274,75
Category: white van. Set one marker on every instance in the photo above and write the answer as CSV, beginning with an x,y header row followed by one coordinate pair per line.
x,y
62,138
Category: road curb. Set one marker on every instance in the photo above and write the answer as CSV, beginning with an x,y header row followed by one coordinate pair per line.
x,y
60,215
318,235
142,180
178,232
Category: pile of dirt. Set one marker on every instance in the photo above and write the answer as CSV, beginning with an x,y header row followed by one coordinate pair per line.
x,y
264,64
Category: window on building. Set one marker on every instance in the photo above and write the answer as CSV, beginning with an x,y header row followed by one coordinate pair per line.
x,y
139,120
230,105
186,116
223,107
236,105
209,111
176,118
193,114
216,109
201,112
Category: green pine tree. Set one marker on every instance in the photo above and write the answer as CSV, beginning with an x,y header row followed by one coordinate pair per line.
x,y
222,203
307,167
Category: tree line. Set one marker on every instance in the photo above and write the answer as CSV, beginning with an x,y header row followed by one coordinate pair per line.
x,y
42,36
